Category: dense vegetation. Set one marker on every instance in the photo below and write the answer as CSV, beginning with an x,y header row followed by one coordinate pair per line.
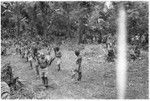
x,y
74,25
86,22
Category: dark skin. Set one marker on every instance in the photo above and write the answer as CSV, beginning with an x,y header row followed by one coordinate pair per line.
x,y
110,55
136,53
53,58
56,49
4,52
31,64
44,78
78,71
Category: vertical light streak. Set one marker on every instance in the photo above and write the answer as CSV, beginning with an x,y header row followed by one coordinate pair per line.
x,y
121,56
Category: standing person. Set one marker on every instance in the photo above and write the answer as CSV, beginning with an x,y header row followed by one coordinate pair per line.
x,y
35,51
17,48
143,40
109,41
4,51
78,70
30,58
58,56
48,56
26,53
137,52
132,55
52,55
111,54
43,64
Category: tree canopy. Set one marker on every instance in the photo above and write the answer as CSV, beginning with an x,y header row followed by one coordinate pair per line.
x,y
81,20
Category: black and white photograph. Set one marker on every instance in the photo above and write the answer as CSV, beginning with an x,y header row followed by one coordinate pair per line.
x,y
74,49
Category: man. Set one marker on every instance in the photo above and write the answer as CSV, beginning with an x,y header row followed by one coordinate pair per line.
x,y
78,63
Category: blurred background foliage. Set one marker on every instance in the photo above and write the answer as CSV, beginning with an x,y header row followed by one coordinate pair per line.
x,y
86,22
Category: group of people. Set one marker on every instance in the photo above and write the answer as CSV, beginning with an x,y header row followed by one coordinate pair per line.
x,y
32,54
43,60
134,52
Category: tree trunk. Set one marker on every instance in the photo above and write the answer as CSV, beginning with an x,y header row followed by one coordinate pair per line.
x,y
44,14
81,31
18,27
45,26
35,19
18,23
68,26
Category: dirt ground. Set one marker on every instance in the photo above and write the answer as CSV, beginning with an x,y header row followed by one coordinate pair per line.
x,y
98,82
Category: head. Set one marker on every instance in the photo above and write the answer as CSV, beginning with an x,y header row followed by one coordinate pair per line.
x,y
42,57
56,49
37,43
77,52
136,48
49,53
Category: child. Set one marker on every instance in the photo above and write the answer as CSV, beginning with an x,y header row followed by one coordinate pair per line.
x,y
43,64
58,56
111,54
78,63
30,58
48,55
4,51
26,54
52,55
35,52
135,53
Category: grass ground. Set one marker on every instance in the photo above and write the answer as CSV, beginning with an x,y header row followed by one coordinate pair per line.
x,y
98,82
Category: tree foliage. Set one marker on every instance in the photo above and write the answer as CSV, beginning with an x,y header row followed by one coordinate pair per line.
x,y
80,20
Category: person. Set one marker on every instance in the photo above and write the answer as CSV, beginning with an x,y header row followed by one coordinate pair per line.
x,y
4,51
143,40
51,55
26,53
110,54
78,70
58,56
17,48
5,90
135,53
30,58
108,41
43,64
48,55
35,52
137,40
7,73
